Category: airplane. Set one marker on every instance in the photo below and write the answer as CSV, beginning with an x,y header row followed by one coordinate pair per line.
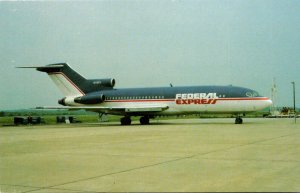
x,y
99,95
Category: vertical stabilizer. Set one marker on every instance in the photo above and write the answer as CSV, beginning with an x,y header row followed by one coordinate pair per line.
x,y
71,83
65,78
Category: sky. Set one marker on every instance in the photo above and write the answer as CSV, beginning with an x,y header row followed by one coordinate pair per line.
x,y
150,43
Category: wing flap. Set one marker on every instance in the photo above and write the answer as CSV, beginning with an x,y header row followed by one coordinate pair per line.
x,y
144,109
121,110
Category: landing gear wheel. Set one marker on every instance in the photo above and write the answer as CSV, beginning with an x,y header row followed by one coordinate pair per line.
x,y
125,121
144,120
238,120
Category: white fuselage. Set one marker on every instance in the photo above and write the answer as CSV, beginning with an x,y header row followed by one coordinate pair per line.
x,y
176,106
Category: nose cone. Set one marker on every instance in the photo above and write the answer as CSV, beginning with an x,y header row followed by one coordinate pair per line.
x,y
267,103
263,103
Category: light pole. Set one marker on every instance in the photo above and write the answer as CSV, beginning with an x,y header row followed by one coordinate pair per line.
x,y
294,97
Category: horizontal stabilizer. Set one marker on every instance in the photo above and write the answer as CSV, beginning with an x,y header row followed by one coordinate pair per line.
x,y
41,67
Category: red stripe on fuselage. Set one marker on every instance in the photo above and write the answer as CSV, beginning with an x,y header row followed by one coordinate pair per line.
x,y
244,99
142,100
174,100
70,81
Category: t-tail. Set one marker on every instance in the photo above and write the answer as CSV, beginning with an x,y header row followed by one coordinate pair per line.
x,y
71,83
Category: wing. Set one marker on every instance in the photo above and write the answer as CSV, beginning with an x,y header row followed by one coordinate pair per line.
x,y
116,110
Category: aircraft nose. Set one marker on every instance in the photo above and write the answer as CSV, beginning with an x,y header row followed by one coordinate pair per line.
x,y
268,103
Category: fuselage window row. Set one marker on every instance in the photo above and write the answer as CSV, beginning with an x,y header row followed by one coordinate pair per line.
x,y
135,97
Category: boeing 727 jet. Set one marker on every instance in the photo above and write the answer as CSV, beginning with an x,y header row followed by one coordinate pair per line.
x,y
99,95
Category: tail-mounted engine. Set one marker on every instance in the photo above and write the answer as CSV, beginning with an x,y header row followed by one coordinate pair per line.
x,y
93,85
90,99
86,99
110,82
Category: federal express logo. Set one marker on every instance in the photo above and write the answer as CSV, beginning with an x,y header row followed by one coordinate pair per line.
x,y
196,98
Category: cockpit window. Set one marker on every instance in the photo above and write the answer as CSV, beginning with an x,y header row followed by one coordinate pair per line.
x,y
252,94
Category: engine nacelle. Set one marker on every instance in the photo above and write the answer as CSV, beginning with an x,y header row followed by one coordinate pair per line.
x,y
105,83
67,101
86,99
90,99
62,101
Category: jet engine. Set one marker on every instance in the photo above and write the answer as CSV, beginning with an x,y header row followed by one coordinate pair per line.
x,y
62,101
90,99
86,99
104,83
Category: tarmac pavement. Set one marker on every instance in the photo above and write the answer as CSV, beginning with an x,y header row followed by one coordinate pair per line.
x,y
190,155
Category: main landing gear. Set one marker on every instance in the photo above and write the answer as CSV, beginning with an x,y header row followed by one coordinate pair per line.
x,y
127,120
144,120
238,120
